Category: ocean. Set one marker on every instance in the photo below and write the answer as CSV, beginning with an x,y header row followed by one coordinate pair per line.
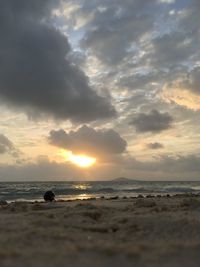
x,y
32,191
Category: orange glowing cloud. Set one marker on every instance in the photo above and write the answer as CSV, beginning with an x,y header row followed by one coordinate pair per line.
x,y
181,96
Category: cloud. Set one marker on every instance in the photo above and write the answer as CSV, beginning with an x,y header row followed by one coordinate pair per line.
x,y
188,163
89,141
166,167
155,145
171,50
176,44
178,167
167,1
192,82
109,45
140,80
5,144
184,90
190,19
41,169
123,31
152,122
36,73
115,27
169,164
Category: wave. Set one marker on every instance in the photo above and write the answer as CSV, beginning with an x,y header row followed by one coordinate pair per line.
x,y
161,190
37,190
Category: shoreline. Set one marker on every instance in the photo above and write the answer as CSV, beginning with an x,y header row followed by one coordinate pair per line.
x,y
105,197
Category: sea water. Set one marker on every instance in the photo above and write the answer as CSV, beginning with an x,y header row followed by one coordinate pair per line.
x,y
30,191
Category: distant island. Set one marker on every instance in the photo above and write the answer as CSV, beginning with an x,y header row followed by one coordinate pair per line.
x,y
123,179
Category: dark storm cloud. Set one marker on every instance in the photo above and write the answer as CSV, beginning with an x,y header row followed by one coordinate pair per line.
x,y
155,145
36,74
89,141
155,121
5,144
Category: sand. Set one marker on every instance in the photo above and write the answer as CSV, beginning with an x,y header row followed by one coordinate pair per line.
x,y
120,232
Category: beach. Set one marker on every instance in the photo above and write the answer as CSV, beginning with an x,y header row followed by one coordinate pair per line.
x,y
153,231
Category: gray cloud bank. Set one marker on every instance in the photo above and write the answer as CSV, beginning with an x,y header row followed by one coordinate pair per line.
x,y
36,75
155,121
168,164
179,168
89,141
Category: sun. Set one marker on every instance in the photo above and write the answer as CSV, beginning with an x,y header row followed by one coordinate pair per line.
x,y
82,161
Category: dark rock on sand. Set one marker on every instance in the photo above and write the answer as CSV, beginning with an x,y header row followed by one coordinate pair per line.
x,y
113,198
150,196
3,202
49,196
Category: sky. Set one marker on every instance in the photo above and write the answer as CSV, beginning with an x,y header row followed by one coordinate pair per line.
x,y
95,90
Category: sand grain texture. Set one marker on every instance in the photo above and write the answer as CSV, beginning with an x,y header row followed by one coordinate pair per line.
x,y
128,232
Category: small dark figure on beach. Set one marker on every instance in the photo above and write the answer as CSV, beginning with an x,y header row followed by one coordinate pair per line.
x,y
49,196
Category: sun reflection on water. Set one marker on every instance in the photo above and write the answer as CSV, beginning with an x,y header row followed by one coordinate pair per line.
x,y
81,186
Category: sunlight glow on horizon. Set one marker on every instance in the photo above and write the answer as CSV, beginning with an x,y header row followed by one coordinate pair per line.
x,y
81,160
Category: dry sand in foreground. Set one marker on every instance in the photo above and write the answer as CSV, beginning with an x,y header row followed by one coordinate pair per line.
x,y
129,232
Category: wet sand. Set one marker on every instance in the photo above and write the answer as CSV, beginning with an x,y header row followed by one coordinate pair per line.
x,y
159,231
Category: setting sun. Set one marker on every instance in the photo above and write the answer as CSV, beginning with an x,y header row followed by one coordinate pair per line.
x,y
82,161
